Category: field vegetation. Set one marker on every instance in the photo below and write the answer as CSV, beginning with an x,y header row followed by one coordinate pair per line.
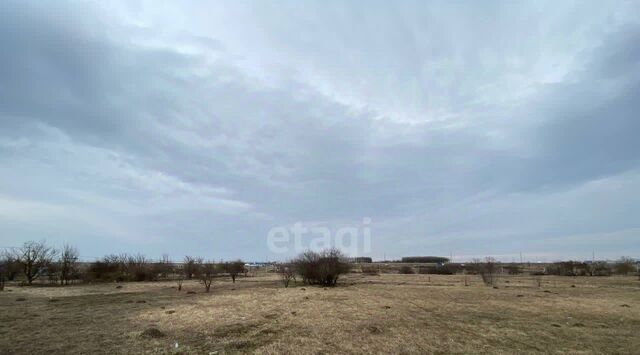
x,y
315,303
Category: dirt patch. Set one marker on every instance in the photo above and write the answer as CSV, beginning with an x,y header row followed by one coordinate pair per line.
x,y
152,333
235,329
373,328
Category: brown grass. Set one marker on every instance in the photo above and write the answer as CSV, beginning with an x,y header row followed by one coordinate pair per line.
x,y
365,314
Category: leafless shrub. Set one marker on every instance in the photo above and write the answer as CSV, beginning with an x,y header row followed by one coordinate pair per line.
x,y
446,269
178,275
4,269
568,268
33,258
10,266
121,267
486,269
513,269
109,268
163,267
53,273
599,268
406,269
191,266
370,270
322,268
234,268
625,266
206,272
67,264
139,268
286,272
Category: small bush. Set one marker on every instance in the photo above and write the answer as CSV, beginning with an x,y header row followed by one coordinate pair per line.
x,y
287,274
487,270
206,272
190,266
322,268
513,269
370,270
234,268
121,268
600,268
406,269
446,269
568,268
625,266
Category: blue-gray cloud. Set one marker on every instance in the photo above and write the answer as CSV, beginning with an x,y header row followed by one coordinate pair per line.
x,y
477,129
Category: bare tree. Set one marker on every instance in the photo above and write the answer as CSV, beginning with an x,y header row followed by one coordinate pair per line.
x,y
287,274
207,271
53,272
474,266
163,267
488,270
190,266
33,257
4,270
67,263
178,275
234,268
625,266
11,266
138,268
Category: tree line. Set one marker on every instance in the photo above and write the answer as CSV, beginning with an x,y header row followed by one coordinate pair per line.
x,y
37,260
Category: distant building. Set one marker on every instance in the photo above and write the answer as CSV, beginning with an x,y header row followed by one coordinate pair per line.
x,y
361,260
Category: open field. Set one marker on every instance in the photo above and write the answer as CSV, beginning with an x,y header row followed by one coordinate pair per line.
x,y
414,314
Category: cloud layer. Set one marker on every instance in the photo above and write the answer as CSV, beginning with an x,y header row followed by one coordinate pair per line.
x,y
194,128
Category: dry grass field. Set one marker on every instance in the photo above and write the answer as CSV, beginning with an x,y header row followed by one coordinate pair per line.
x,y
412,314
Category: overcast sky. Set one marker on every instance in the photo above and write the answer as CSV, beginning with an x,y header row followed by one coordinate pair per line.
x,y
473,128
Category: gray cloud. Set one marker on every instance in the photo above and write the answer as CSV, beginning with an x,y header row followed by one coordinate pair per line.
x,y
486,129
